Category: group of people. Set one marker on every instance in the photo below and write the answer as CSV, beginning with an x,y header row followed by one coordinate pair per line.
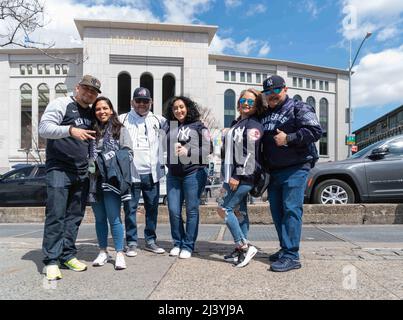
x,y
96,156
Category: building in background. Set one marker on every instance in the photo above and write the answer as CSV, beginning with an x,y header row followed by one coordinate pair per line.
x,y
390,124
169,60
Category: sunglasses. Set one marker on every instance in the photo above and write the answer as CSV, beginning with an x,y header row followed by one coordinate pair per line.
x,y
249,102
145,101
275,90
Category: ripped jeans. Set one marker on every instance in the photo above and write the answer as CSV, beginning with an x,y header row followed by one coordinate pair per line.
x,y
238,224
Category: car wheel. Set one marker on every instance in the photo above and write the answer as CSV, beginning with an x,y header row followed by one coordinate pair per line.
x,y
333,192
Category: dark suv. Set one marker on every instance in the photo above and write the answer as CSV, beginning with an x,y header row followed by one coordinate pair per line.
x,y
25,186
374,174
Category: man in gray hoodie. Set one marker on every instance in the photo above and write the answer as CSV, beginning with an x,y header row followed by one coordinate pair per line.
x,y
66,124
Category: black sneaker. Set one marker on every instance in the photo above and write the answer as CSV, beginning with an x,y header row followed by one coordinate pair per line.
x,y
275,256
285,264
233,256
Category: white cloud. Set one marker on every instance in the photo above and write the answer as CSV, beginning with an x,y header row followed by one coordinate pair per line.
x,y
264,50
233,3
387,33
256,9
61,14
378,79
246,46
219,45
370,16
311,7
184,11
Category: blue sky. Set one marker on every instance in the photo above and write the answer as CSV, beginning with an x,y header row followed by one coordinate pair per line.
x,y
307,31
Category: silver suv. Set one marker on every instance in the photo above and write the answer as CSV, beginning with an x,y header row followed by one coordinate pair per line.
x,y
374,174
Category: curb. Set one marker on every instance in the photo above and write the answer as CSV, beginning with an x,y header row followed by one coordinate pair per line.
x,y
258,214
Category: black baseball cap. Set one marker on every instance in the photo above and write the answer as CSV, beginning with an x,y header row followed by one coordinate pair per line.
x,y
273,82
142,93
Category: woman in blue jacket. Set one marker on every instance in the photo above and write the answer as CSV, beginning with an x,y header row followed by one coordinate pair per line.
x,y
240,167
188,146
111,136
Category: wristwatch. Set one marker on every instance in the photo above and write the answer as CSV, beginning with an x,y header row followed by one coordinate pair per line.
x,y
287,138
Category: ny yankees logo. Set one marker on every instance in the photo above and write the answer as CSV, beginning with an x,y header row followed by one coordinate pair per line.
x,y
183,134
238,134
269,82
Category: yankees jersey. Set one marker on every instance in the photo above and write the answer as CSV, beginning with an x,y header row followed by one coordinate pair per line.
x,y
64,152
195,137
298,120
241,151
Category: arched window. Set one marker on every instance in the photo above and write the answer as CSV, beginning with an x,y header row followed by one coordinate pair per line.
x,y
43,100
61,90
311,101
26,116
297,97
324,122
229,107
168,88
124,92
147,81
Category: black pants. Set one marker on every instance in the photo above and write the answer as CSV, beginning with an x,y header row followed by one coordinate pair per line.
x,y
65,208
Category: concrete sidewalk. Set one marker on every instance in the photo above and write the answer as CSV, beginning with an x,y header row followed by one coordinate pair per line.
x,y
339,262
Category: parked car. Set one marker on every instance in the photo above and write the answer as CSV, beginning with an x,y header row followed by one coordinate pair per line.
x,y
26,186
374,174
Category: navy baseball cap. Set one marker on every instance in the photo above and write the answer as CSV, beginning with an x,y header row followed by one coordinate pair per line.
x,y
273,82
142,93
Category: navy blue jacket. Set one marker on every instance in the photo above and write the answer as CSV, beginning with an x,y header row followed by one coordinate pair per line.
x,y
298,120
114,167
196,138
241,151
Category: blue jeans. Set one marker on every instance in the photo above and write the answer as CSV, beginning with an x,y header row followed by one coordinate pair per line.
x,y
286,197
238,226
151,194
188,188
65,207
108,209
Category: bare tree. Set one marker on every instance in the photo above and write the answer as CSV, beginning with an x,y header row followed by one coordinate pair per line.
x,y
19,19
208,118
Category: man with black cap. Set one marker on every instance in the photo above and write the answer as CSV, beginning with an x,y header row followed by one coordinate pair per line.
x,y
66,124
147,169
291,129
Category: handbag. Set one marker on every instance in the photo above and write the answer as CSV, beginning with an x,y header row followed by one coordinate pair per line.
x,y
261,183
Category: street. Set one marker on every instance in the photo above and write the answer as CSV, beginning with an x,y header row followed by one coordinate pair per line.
x,y
339,262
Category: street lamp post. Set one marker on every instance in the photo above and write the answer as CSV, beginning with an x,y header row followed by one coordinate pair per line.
x,y
349,86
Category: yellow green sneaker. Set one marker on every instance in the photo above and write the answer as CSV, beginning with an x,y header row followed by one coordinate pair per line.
x,y
53,272
75,265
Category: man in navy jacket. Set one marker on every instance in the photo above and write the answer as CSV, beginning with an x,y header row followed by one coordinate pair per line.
x,y
291,129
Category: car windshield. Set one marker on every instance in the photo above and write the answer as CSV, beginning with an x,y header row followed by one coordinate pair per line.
x,y
364,151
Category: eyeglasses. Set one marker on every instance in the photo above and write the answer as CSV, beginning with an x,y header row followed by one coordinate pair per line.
x,y
145,101
275,90
249,102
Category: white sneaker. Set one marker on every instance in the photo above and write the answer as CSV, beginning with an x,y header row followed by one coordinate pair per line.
x,y
101,259
185,254
248,255
120,262
175,251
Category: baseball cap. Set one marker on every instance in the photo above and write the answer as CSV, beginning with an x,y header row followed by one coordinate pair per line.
x,y
91,81
273,82
142,93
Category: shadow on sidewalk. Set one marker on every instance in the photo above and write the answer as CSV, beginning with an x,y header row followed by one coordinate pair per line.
x,y
87,251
